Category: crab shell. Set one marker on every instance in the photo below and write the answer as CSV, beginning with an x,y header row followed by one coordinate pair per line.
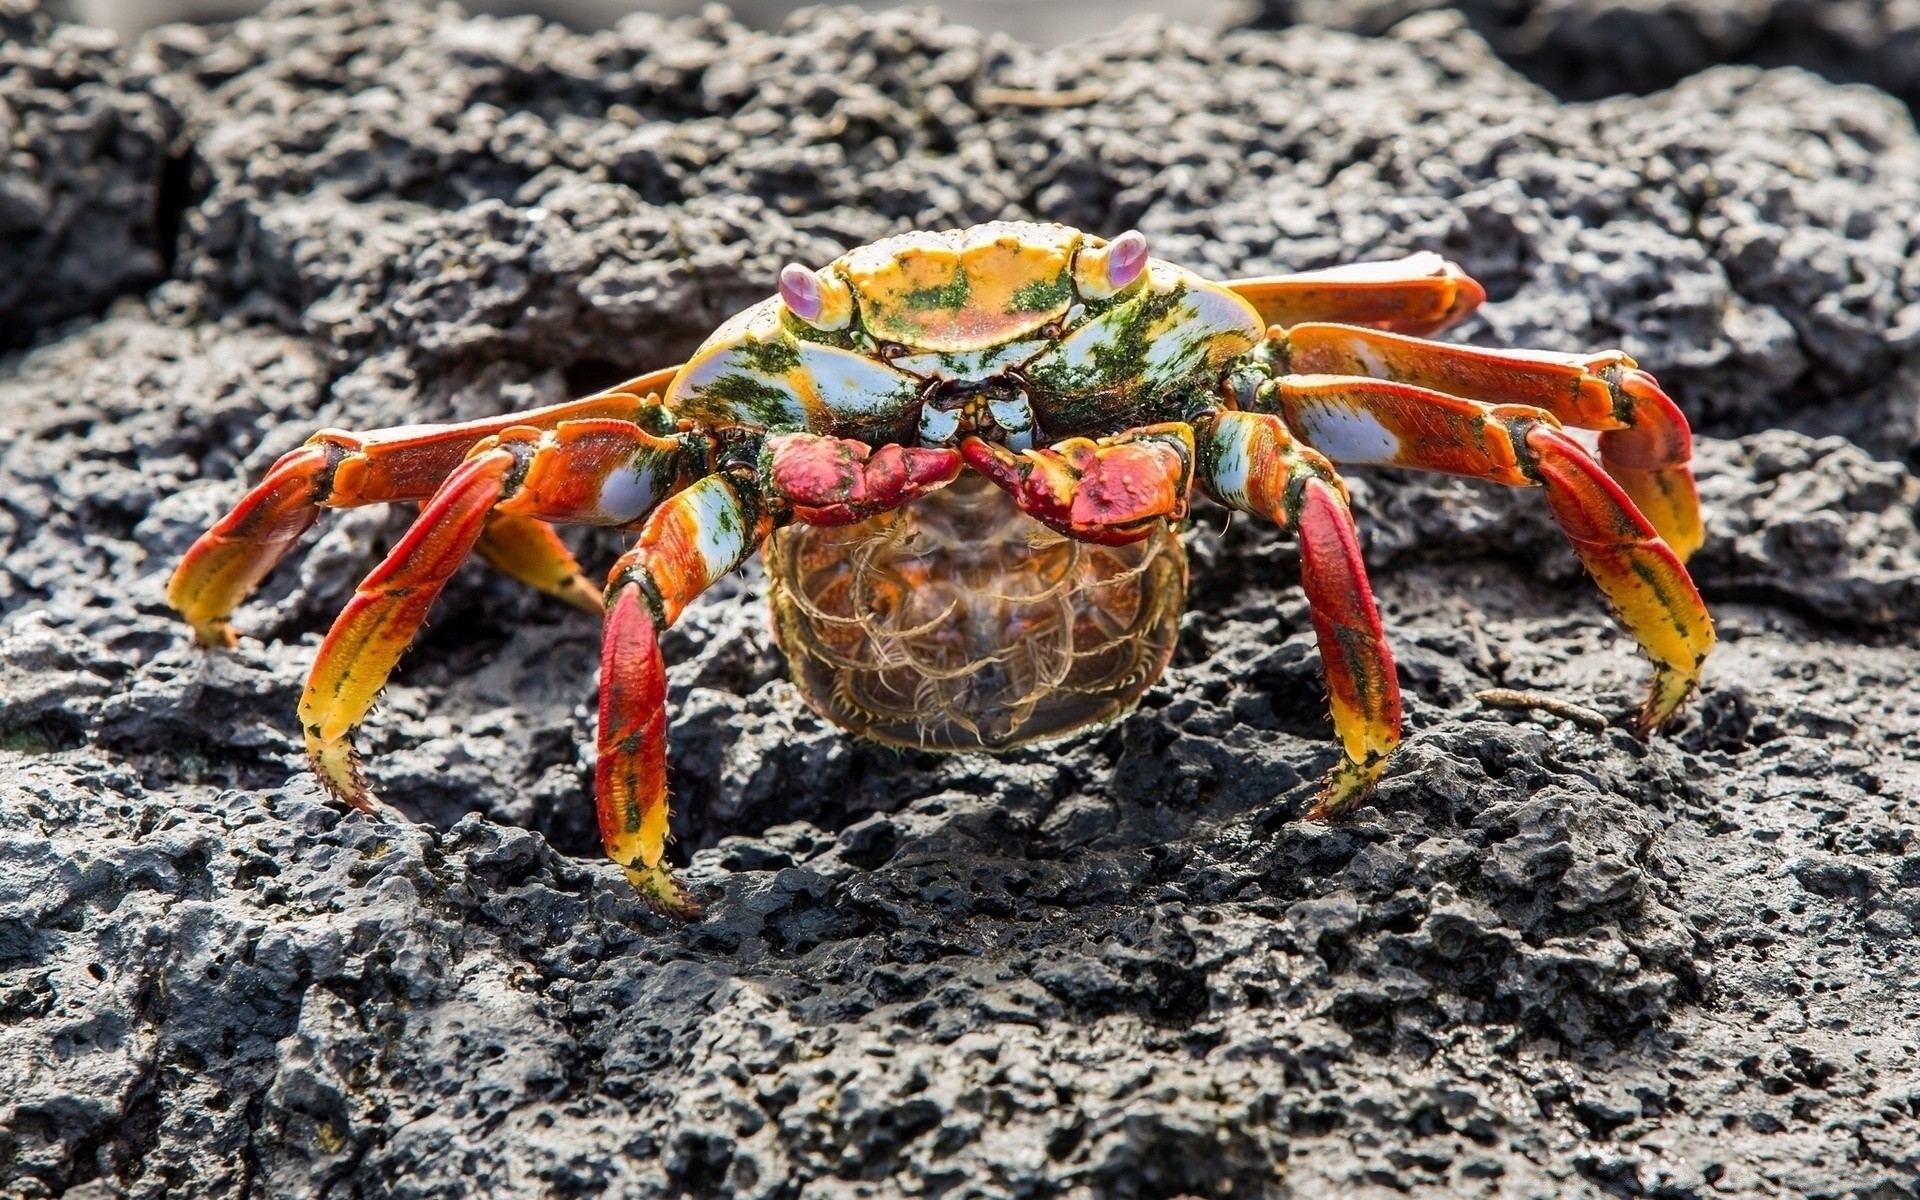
x,y
1022,321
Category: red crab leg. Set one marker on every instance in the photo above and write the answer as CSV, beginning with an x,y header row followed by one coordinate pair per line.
x,y
1109,491
1421,293
1398,424
512,482
336,469
1250,462
690,541
1646,447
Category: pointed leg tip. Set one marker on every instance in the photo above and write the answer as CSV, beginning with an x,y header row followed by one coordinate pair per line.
x,y
1348,786
338,769
661,892
584,596
1662,706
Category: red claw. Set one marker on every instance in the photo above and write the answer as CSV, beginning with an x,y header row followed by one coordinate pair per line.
x,y
1109,491
838,481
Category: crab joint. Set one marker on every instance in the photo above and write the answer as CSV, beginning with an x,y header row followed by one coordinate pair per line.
x,y
1109,491
819,298
838,481
1104,271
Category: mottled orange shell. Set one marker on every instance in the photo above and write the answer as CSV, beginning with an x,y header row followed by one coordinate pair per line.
x,y
964,289
960,623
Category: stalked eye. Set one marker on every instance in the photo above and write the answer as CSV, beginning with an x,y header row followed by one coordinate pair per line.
x,y
817,297
1112,268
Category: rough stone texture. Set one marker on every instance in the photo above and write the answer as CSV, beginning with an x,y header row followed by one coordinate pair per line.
x,y
1545,962
83,170
1587,48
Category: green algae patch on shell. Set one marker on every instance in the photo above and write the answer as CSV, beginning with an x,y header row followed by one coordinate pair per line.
x,y
966,289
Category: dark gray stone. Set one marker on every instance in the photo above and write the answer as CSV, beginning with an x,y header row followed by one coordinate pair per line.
x,y
1544,962
89,199
1587,48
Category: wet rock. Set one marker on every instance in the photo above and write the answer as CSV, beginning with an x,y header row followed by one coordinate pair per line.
x,y
1544,960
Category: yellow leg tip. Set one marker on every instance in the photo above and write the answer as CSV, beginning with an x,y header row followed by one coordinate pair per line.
x,y
214,634
338,768
583,596
1348,786
1670,690
661,892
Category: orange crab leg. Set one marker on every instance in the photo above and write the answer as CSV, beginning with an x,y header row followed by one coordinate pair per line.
x,y
689,542
1421,293
1249,461
530,551
1109,491
336,469
1647,446
1396,424
597,472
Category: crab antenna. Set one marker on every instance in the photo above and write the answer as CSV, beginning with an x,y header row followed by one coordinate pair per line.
x,y
1126,258
800,292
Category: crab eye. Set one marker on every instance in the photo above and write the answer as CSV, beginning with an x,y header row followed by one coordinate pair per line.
x,y
1112,268
816,297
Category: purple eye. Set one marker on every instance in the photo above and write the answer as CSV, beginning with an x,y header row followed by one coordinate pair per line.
x,y
1126,258
800,292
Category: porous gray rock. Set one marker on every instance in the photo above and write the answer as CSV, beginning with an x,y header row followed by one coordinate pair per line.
x,y
1544,961
1583,49
88,207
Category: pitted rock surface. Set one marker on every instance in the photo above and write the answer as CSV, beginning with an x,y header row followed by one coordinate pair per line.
x,y
1587,48
1545,961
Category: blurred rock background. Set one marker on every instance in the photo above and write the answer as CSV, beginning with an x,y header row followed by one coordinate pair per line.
x,y
1577,49
1046,24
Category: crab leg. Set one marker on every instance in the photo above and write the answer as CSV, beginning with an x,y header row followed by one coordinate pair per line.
x,y
1646,447
1250,462
1397,424
1421,293
530,551
689,542
597,472
1108,491
335,469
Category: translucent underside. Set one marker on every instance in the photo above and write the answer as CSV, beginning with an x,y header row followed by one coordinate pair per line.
x,y
960,623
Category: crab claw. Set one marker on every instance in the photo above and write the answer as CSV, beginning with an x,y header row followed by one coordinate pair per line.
x,y
1110,491
815,297
838,481
1104,271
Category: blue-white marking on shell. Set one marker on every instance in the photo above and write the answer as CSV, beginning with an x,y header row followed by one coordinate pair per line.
x,y
1014,416
628,493
1230,462
971,365
720,523
938,427
1347,434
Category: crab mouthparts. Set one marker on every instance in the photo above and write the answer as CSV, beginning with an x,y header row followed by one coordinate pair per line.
x,y
995,409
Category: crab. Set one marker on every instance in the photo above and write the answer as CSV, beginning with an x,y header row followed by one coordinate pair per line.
x,y
968,455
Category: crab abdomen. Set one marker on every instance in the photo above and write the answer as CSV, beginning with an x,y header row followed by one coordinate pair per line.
x,y
960,623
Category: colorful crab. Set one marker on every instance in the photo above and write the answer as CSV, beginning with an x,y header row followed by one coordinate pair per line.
x,y
968,454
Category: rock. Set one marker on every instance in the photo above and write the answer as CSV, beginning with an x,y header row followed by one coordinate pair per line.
x,y
89,190
1543,961
1582,49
